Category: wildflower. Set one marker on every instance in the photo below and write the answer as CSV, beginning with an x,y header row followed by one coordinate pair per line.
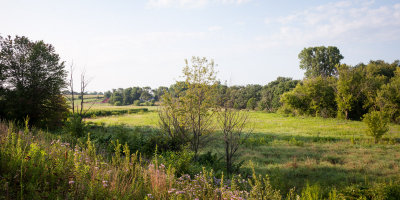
x,y
150,196
171,190
71,182
179,192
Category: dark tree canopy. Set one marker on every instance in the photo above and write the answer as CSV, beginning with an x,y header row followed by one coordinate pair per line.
x,y
32,77
320,61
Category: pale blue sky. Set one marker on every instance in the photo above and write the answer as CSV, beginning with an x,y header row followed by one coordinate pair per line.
x,y
144,43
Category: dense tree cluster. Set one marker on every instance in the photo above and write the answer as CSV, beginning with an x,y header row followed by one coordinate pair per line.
x,y
350,94
31,79
366,87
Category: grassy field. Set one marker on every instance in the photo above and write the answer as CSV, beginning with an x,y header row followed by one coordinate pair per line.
x,y
93,103
295,151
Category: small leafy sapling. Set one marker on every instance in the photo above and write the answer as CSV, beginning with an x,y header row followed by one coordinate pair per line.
x,y
377,123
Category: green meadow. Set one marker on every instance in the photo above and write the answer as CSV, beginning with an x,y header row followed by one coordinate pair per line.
x,y
296,151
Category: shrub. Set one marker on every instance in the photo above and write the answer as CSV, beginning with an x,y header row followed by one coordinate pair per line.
x,y
136,103
117,103
75,126
377,123
311,192
181,161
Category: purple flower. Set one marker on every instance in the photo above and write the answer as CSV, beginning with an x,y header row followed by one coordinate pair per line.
x,y
171,190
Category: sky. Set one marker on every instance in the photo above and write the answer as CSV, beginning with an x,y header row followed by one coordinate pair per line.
x,y
123,43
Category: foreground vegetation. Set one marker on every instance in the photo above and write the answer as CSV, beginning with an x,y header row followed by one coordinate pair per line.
x,y
41,165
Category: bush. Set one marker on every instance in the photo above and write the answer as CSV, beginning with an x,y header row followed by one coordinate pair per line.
x,y
216,163
75,126
136,103
377,123
181,161
117,103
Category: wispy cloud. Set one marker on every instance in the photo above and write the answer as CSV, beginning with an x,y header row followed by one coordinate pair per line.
x,y
190,3
337,22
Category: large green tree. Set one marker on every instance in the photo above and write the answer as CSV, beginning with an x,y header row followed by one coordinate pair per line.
x,y
32,77
320,61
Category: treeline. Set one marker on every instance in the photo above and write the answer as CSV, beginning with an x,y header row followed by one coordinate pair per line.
x,y
86,93
134,95
254,97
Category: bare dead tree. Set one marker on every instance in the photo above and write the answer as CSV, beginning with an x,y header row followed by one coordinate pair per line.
x,y
71,85
233,124
83,85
